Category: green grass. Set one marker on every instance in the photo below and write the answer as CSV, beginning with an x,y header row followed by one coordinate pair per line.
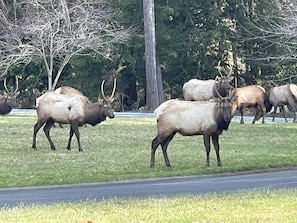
x,y
261,206
119,149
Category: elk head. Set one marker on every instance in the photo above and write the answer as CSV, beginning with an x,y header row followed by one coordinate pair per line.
x,y
225,104
106,102
11,95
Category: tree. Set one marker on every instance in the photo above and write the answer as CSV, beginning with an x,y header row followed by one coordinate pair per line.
x,y
154,87
54,31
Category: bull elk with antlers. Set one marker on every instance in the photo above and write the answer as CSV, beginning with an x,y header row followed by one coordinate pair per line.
x,y
74,110
8,100
202,90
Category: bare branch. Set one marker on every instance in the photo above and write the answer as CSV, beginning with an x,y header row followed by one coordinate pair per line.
x,y
53,31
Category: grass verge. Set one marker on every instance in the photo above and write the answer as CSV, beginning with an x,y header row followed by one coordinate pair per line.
x,y
261,206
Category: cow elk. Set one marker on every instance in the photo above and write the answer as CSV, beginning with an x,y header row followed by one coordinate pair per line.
x,y
73,110
8,100
251,96
284,95
189,118
201,90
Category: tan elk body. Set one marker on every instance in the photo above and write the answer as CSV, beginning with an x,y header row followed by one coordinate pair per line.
x,y
250,96
68,90
207,118
70,109
201,90
284,95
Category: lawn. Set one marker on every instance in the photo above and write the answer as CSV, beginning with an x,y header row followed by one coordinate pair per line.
x,y
119,149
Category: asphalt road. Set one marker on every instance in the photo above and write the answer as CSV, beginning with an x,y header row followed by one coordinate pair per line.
x,y
152,187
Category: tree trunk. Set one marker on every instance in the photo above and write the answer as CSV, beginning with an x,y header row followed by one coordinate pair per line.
x,y
152,95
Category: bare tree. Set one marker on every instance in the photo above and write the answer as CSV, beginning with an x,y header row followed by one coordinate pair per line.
x,y
277,30
54,31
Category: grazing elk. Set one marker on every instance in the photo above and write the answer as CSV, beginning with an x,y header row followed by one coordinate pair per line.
x,y
251,96
201,90
284,95
73,110
8,100
207,118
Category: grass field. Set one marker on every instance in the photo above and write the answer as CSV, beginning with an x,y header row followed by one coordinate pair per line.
x,y
120,149
262,206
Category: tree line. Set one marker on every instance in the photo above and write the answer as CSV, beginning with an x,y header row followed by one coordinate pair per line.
x,y
250,39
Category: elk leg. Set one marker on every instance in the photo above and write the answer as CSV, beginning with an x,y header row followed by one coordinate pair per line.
x,y
241,114
215,141
284,113
260,112
274,112
295,117
74,127
257,114
70,137
263,110
206,139
37,126
155,144
164,145
49,124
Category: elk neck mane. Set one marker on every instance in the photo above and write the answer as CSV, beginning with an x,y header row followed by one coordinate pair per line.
x,y
91,114
221,122
5,108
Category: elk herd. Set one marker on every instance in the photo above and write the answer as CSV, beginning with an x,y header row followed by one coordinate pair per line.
x,y
207,110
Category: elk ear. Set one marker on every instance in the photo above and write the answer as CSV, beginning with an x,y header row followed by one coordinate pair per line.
x,y
100,101
217,100
219,79
17,94
230,78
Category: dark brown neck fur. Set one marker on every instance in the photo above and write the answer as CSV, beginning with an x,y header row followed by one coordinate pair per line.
x,y
93,114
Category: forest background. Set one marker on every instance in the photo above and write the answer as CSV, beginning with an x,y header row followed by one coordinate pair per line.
x,y
252,40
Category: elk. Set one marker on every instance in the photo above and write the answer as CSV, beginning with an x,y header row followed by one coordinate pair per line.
x,y
73,110
201,90
189,118
251,96
281,96
8,100
68,90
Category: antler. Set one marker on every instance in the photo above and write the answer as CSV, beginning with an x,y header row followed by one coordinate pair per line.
x,y
113,90
5,86
17,85
218,68
102,90
215,86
